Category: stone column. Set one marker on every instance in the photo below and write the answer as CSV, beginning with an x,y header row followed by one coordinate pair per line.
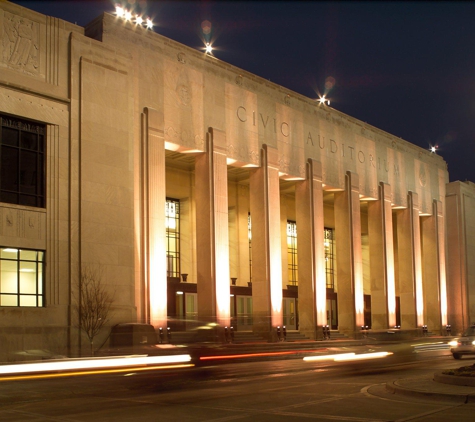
x,y
349,257
154,191
264,198
409,264
212,237
311,253
381,249
433,269
442,266
459,205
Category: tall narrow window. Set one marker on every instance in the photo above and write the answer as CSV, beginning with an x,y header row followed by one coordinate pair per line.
x,y
292,252
21,277
249,236
329,244
172,223
22,162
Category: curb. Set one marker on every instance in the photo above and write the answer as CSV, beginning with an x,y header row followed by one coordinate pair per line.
x,y
394,388
454,380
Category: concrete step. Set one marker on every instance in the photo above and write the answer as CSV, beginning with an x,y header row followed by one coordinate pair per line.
x,y
295,336
336,335
247,337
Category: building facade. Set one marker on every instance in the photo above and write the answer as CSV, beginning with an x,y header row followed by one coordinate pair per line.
x,y
200,191
460,203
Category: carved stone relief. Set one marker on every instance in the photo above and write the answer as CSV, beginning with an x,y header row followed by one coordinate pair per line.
x,y
21,223
184,94
20,43
422,176
242,153
181,58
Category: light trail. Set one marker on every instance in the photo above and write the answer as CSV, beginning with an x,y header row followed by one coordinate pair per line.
x,y
250,355
347,357
88,364
96,372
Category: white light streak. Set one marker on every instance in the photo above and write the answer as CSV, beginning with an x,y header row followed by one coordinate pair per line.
x,y
347,357
101,363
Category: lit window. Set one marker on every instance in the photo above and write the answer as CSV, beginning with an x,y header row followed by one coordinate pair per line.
x,y
249,236
172,224
22,162
21,277
292,252
329,244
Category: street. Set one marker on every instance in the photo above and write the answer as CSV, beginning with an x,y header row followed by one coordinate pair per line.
x,y
277,390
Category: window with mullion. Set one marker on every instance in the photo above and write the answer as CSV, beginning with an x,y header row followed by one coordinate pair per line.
x,y
172,224
292,252
329,257
22,161
21,277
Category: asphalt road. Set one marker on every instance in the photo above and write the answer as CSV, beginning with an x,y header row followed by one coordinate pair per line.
x,y
279,390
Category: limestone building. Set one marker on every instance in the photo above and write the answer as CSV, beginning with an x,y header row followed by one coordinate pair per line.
x,y
201,191
460,203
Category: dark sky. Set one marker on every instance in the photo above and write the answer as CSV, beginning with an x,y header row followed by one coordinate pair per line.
x,y
404,67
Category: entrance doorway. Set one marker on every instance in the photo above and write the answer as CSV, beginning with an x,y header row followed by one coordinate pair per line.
x,y
244,313
290,313
191,306
332,311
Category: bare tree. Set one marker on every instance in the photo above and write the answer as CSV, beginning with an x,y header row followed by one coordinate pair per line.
x,y
93,302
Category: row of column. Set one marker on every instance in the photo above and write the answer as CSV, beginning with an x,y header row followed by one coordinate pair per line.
x,y
421,262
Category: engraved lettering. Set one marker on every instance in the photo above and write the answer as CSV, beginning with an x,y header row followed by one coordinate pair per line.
x,y
320,144
371,160
262,118
361,157
309,138
241,116
333,144
351,149
286,133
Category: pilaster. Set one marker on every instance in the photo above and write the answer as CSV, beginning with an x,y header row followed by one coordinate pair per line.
x,y
212,233
266,244
311,254
349,256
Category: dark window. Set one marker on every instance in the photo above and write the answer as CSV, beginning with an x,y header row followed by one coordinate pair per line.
x,y
22,162
21,277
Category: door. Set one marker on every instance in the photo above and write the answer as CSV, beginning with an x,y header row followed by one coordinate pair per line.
x,y
332,312
191,306
244,313
290,313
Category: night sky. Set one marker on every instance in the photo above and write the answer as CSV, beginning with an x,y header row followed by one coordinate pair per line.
x,y
407,68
